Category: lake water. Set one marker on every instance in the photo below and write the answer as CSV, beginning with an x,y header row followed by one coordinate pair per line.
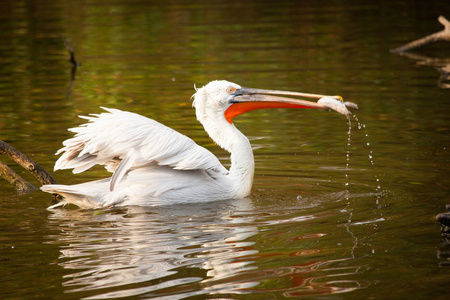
x,y
332,215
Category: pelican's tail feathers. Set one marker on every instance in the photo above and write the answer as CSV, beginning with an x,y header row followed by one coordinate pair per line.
x,y
79,195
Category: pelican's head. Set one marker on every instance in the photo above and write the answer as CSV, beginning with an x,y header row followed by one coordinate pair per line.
x,y
214,98
225,99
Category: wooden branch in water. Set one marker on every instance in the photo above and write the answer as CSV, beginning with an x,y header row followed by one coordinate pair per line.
x,y
444,220
74,66
18,157
13,178
70,50
443,35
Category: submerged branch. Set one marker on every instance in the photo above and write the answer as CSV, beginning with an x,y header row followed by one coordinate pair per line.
x,y
443,35
441,64
18,157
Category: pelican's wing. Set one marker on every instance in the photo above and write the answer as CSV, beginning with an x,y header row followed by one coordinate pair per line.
x,y
122,140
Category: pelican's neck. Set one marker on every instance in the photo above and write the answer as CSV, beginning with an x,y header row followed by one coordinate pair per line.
x,y
228,137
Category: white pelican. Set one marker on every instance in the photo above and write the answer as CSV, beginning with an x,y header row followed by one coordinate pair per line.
x,y
152,164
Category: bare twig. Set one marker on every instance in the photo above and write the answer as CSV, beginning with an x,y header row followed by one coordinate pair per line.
x,y
443,35
18,157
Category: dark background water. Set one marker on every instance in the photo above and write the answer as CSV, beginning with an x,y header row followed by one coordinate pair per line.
x,y
313,226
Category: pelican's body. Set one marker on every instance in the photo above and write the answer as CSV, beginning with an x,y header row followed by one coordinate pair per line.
x,y
153,164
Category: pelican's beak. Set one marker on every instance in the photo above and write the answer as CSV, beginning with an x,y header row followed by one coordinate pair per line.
x,y
247,99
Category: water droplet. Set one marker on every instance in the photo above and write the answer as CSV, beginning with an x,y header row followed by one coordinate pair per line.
x,y
349,143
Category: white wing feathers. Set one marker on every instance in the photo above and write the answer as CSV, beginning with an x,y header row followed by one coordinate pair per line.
x,y
122,141
123,167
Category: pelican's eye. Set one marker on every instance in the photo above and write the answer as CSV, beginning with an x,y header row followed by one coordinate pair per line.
x,y
231,90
